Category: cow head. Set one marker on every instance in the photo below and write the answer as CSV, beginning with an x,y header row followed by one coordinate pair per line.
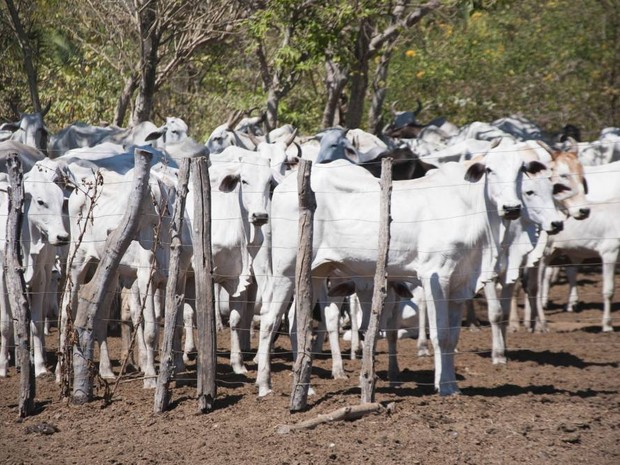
x,y
503,169
537,194
569,183
30,129
334,145
44,200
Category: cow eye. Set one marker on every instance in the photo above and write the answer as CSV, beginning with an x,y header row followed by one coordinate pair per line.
x,y
40,202
244,182
488,170
529,193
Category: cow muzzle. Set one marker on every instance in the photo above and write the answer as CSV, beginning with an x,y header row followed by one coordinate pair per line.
x,y
59,240
259,219
582,214
512,212
556,227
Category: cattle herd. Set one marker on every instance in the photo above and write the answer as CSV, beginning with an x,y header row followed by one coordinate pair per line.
x,y
477,208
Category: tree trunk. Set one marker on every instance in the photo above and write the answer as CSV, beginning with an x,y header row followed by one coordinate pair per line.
x,y
131,84
375,120
303,287
174,294
359,79
24,44
93,293
335,82
16,286
149,36
205,298
368,374
273,101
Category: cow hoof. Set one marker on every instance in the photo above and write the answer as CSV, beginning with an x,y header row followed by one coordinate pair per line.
x,y
513,328
311,391
240,370
339,375
607,328
474,328
108,376
264,391
42,374
424,352
499,360
150,383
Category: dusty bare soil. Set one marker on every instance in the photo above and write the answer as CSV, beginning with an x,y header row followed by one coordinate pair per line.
x,y
557,401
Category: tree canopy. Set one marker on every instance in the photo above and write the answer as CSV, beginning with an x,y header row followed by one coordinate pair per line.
x,y
554,61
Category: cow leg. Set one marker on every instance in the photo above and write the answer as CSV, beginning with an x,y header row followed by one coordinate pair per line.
x,y
470,316
355,310
6,328
544,277
238,309
189,346
513,317
271,314
126,326
444,325
498,352
573,295
76,275
100,331
331,318
38,292
423,342
149,330
609,267
391,316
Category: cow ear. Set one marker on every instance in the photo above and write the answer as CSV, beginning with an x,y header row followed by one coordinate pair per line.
x,y
559,188
155,134
585,186
342,289
534,167
229,182
352,155
401,290
10,126
474,172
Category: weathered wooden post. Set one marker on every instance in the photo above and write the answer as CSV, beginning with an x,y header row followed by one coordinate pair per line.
x,y
93,293
205,299
303,289
16,285
174,293
367,374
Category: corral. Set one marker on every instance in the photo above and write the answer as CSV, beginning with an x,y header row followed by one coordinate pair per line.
x,y
556,401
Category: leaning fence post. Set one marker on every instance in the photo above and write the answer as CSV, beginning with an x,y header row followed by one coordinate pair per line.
x,y
303,289
16,285
367,374
205,300
174,295
93,293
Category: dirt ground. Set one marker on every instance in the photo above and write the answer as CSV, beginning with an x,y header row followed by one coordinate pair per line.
x,y
557,401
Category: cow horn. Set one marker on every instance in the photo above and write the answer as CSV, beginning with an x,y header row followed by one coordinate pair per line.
x,y
289,140
544,146
234,118
393,107
255,140
572,145
417,110
47,108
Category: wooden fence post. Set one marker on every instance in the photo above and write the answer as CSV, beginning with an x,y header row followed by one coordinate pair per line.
x,y
303,289
16,285
174,294
205,300
367,374
93,293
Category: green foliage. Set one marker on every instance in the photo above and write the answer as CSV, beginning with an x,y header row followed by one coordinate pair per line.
x,y
554,61
548,60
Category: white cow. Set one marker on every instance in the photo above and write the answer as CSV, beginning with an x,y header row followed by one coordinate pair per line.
x,y
444,234
29,130
42,232
116,172
596,237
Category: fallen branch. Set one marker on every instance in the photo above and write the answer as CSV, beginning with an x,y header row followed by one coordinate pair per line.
x,y
348,413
